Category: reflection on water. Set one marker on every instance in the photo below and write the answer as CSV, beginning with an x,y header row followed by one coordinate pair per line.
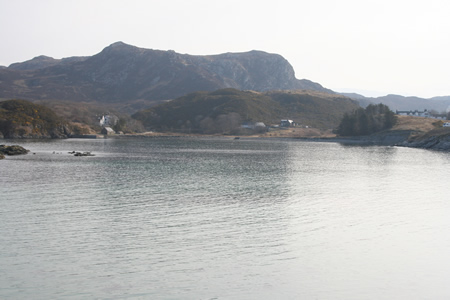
x,y
175,218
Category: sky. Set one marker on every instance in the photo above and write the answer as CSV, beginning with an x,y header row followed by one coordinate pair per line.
x,y
369,47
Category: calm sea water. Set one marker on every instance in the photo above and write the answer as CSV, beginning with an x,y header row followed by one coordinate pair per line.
x,y
181,218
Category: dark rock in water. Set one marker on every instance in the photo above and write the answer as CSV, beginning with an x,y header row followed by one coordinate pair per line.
x,y
13,150
82,153
2,156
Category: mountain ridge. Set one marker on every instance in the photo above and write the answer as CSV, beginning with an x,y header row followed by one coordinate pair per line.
x,y
440,104
124,73
42,61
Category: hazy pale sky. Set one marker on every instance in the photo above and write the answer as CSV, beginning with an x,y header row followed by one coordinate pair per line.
x,y
371,47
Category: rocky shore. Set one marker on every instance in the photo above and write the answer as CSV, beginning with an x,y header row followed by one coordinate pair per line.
x,y
432,140
438,141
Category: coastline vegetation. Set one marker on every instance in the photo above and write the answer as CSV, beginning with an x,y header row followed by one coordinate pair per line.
x,y
372,119
21,118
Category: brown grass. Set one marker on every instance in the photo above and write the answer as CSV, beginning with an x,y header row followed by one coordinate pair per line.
x,y
418,124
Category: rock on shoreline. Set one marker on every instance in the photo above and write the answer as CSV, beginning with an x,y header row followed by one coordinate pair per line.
x,y
12,150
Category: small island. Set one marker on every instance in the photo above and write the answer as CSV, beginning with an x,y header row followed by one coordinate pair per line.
x,y
12,150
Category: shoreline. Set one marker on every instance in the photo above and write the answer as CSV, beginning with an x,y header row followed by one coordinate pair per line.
x,y
398,138
401,138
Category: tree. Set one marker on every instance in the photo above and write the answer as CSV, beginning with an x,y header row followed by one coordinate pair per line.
x,y
347,124
207,125
120,125
227,123
373,118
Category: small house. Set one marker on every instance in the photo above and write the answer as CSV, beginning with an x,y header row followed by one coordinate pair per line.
x,y
108,120
108,131
287,123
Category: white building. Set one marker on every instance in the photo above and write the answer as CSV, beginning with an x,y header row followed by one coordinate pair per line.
x,y
108,120
425,113
287,123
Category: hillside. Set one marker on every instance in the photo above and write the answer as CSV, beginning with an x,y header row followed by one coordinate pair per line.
x,y
315,109
138,77
226,109
23,119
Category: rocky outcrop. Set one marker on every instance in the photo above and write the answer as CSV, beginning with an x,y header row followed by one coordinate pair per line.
x,y
124,73
12,150
439,142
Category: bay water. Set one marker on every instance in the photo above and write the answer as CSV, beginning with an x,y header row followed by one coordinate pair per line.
x,y
218,218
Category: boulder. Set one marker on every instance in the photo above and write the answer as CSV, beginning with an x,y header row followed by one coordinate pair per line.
x,y
12,150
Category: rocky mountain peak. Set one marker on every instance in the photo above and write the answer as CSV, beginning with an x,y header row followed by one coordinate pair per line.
x,y
119,46
125,73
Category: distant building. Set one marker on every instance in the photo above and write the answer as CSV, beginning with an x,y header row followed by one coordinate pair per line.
x,y
416,113
108,120
425,113
108,131
102,121
287,123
